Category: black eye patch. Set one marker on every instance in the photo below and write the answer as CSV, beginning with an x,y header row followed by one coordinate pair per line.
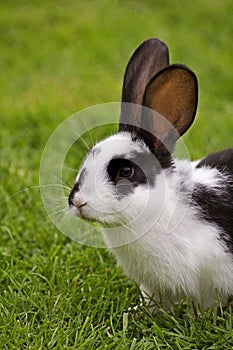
x,y
123,169
125,175
140,169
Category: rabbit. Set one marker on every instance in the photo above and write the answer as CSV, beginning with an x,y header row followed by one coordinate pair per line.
x,y
169,222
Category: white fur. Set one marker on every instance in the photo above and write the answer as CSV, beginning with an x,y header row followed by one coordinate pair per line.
x,y
157,237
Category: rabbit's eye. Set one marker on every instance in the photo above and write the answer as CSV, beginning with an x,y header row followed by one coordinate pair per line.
x,y
125,172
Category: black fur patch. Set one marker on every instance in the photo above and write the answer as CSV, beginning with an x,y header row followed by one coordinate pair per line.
x,y
72,193
77,186
125,186
223,161
145,169
216,206
160,152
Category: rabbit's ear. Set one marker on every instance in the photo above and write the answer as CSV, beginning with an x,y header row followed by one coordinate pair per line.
x,y
172,94
148,59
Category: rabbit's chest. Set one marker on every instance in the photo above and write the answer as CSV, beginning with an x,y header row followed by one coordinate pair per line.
x,y
178,265
159,265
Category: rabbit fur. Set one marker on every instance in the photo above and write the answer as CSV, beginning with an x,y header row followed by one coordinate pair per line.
x,y
169,222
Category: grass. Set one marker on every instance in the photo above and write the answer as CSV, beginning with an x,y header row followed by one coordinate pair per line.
x,y
56,58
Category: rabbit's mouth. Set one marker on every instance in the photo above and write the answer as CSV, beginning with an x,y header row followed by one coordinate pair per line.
x,y
81,211
78,208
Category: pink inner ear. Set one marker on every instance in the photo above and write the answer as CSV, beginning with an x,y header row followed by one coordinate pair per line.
x,y
173,94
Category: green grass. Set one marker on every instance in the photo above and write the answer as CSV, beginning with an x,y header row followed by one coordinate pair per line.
x,y
57,58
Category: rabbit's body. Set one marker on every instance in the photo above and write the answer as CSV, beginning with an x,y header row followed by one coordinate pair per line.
x,y
169,222
193,258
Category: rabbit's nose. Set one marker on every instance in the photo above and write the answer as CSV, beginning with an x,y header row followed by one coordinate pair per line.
x,y
72,193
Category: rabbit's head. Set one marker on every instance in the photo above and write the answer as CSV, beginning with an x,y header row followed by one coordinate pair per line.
x,y
159,103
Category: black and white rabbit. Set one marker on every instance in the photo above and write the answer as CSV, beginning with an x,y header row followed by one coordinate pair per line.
x,y
168,222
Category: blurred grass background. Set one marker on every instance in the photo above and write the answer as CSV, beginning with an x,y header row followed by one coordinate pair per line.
x,y
56,58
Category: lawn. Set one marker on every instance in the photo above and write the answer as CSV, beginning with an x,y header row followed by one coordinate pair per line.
x,y
56,59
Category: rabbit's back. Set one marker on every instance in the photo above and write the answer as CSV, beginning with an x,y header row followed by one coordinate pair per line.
x,y
216,204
